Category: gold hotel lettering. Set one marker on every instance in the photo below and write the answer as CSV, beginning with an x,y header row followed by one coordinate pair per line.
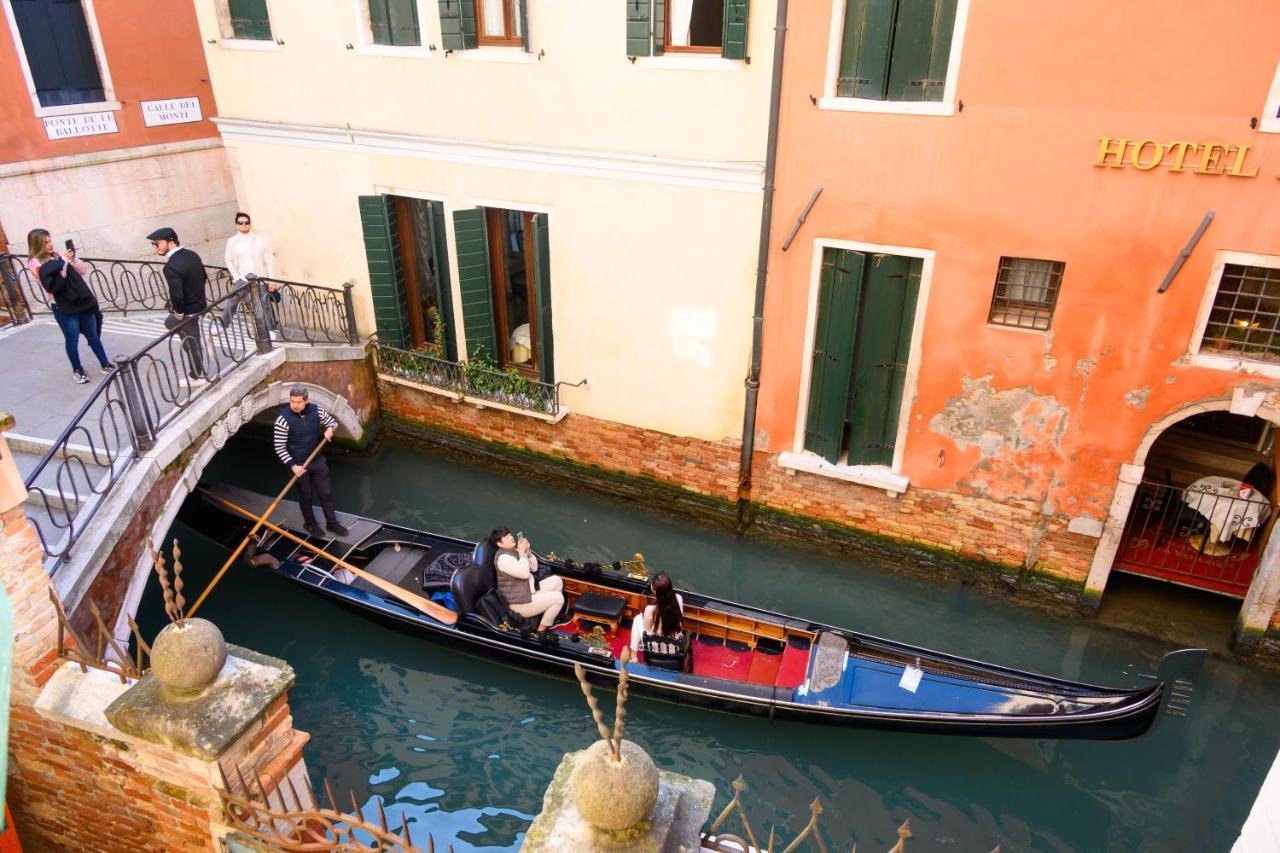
x,y
1117,152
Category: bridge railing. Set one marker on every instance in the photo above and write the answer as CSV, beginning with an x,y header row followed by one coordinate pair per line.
x,y
148,391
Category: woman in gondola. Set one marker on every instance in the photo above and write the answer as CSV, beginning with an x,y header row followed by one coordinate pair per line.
x,y
517,580
664,618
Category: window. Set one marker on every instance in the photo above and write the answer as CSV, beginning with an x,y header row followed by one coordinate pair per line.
x,y
1245,317
862,339
655,27
499,23
394,22
896,50
1271,112
504,279
249,20
1026,293
60,52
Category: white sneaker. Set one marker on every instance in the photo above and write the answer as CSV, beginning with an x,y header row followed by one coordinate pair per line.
x,y
80,376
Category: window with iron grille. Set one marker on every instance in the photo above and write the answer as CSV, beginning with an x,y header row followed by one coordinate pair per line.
x,y
1026,293
394,22
1246,313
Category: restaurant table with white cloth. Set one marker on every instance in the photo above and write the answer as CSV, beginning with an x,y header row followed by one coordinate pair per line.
x,y
1232,508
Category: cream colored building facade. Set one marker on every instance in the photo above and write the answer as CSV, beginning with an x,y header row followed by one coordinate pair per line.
x,y
646,171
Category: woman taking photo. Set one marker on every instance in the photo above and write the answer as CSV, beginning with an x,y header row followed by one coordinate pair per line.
x,y
74,305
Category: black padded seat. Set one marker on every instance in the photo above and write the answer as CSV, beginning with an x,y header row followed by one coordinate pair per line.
x,y
596,607
469,584
674,653
484,554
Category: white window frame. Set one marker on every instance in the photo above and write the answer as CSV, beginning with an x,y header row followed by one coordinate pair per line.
x,y
945,107
1236,362
365,45
887,477
1270,119
228,39
109,102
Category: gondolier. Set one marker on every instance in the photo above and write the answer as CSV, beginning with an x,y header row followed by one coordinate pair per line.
x,y
298,430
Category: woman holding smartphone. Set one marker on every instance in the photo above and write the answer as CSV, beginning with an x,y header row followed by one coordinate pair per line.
x,y
74,305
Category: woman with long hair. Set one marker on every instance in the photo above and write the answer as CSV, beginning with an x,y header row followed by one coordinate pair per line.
x,y
74,305
663,618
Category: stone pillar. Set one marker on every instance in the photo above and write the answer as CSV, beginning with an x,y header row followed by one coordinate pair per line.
x,y
1109,544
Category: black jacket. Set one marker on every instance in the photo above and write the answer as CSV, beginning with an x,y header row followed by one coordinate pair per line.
x,y
185,273
71,294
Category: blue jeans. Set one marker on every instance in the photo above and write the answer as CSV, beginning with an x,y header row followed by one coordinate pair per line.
x,y
73,326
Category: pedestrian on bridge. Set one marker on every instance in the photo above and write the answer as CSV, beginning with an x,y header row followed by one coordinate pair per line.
x,y
184,272
297,433
248,254
75,308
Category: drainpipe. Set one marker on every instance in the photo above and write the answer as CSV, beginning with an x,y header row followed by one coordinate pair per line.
x,y
762,266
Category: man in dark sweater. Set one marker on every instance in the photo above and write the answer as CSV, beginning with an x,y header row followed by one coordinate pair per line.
x,y
184,272
297,432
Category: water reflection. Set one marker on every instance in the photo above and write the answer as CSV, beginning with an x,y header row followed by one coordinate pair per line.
x,y
463,747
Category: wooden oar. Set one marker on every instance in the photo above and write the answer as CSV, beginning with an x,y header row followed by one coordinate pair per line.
x,y
245,541
418,602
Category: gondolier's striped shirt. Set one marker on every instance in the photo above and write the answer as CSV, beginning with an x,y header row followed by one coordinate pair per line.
x,y
281,433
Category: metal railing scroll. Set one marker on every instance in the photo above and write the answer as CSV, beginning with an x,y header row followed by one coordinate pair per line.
x,y
146,392
471,379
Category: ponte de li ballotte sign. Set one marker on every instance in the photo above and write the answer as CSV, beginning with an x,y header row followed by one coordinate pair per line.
x,y
1203,158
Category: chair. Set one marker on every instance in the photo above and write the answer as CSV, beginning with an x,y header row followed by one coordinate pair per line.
x,y
673,653
1262,478
599,608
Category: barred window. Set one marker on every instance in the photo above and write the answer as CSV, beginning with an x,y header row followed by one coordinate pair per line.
x,y
1246,313
1026,293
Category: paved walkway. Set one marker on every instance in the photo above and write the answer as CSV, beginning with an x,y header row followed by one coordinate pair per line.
x,y
38,389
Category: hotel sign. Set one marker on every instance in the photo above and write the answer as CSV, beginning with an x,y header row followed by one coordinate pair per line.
x,y
1203,158
80,124
171,111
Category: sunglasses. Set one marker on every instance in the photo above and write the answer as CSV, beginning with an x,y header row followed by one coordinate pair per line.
x,y
242,222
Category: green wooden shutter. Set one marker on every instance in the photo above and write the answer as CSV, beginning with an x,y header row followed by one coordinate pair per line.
x,y
733,37
379,22
402,22
833,352
659,26
887,316
444,286
921,49
639,27
249,19
542,282
458,24
473,284
522,13
55,38
386,278
864,53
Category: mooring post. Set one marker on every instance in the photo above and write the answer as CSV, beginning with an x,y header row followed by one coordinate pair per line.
x,y
144,435
258,300
353,336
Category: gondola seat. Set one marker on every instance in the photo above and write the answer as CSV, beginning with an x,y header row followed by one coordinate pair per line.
x,y
602,609
469,584
484,554
673,653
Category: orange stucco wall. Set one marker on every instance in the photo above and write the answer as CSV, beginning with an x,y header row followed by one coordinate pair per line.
x,y
150,54
1013,174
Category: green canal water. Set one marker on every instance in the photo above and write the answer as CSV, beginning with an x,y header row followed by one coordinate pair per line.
x,y
464,747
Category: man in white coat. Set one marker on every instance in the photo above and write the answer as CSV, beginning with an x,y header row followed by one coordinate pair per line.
x,y
246,253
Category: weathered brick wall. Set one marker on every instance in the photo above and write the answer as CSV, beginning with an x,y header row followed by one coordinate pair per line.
x,y
354,380
707,468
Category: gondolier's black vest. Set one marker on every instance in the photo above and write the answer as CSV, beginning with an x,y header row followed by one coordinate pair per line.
x,y
304,431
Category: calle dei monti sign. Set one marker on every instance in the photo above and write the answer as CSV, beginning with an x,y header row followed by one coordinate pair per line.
x,y
1203,158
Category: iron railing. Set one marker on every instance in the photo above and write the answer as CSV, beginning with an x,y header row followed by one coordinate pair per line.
x,y
1207,535
149,390
471,379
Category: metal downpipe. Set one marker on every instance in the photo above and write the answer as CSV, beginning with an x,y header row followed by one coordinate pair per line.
x,y
762,268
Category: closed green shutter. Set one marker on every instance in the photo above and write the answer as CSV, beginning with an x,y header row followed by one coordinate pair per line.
x,y
403,22
458,24
542,281
833,352
379,22
659,26
444,286
921,49
639,27
864,53
473,284
522,10
733,41
55,38
249,19
386,279
887,314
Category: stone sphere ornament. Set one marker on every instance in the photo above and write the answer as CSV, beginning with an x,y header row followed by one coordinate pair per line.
x,y
188,655
614,794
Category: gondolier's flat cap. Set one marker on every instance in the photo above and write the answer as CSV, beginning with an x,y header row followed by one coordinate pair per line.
x,y
163,234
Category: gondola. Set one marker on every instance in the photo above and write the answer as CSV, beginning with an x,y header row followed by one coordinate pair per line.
x,y
741,658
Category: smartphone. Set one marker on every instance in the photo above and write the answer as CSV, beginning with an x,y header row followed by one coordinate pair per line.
x,y
519,536
71,245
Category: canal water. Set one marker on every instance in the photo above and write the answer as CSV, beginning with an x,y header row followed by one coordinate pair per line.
x,y
464,747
